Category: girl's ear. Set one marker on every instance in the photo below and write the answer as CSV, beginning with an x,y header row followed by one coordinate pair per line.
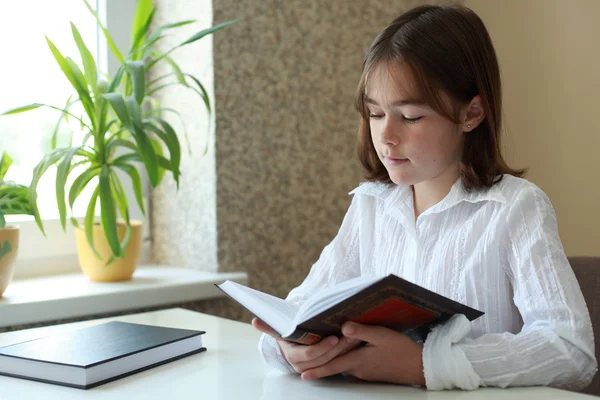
x,y
473,114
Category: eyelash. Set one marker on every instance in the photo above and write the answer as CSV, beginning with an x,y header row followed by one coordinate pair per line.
x,y
407,120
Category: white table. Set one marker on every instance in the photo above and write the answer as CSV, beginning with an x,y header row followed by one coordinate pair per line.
x,y
230,369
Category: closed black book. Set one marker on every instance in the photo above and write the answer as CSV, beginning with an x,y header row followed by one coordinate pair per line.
x,y
92,356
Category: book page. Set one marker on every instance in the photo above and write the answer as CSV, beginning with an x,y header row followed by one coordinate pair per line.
x,y
329,297
276,312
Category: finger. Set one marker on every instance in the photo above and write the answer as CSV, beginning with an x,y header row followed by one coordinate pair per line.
x,y
261,326
343,346
307,353
336,366
368,333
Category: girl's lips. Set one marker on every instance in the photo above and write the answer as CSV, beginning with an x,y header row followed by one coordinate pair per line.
x,y
394,160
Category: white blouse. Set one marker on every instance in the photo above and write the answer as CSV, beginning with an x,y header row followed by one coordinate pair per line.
x,y
496,250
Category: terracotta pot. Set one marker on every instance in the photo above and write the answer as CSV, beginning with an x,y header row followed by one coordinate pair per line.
x,y
119,270
9,246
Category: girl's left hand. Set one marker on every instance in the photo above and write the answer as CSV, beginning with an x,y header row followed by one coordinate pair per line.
x,y
389,356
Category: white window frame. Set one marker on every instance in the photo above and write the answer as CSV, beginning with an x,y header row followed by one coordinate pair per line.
x,y
57,252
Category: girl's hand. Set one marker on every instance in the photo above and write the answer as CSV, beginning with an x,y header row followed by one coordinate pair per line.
x,y
389,356
302,357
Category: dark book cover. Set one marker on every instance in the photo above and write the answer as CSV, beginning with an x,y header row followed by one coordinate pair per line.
x,y
391,302
89,347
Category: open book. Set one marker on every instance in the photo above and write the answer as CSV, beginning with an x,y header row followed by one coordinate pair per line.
x,y
389,301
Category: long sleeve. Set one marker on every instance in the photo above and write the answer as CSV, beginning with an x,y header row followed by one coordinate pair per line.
x,y
338,262
555,346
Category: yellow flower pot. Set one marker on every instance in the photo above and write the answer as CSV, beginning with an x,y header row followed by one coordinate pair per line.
x,y
119,270
9,246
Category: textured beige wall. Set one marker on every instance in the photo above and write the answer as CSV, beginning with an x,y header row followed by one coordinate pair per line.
x,y
285,79
284,152
549,58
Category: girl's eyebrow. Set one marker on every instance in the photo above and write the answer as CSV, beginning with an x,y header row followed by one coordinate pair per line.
x,y
403,102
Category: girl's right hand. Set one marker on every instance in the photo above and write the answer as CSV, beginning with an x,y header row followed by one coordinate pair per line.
x,y
302,357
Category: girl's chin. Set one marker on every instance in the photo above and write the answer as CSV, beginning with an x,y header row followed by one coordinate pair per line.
x,y
401,180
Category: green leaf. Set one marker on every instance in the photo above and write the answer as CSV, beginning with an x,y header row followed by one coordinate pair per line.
x,y
146,150
164,163
87,137
201,93
116,135
204,93
156,36
82,82
109,40
87,59
90,217
75,76
193,38
37,105
169,137
134,111
121,197
49,159
136,181
5,163
116,143
137,73
127,238
117,103
14,199
107,213
62,173
117,79
156,80
144,14
22,109
159,110
2,220
126,159
162,166
103,114
110,124
176,70
208,31
156,89
63,116
80,183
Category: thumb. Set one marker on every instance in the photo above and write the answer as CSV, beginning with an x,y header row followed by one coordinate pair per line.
x,y
264,328
367,333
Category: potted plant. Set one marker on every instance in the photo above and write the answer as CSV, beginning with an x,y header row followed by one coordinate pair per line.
x,y
14,200
124,131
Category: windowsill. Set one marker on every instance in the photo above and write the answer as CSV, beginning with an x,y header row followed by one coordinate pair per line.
x,y
74,295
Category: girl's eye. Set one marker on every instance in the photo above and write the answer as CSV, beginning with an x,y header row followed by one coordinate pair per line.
x,y
411,120
406,119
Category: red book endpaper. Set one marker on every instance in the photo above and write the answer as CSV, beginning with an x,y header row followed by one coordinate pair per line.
x,y
395,312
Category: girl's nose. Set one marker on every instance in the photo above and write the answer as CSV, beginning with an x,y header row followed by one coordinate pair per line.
x,y
389,135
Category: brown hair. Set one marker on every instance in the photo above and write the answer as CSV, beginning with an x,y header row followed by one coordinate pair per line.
x,y
448,50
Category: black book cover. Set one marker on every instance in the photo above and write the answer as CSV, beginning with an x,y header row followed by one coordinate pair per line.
x,y
88,347
392,302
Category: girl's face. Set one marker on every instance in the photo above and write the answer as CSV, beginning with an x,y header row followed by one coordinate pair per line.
x,y
414,143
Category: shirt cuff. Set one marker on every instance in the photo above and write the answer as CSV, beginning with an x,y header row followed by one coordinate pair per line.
x,y
272,356
445,365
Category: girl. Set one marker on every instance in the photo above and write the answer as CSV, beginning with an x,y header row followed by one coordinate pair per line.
x,y
442,209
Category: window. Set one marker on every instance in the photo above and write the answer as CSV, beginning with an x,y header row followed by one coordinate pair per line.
x,y
30,74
